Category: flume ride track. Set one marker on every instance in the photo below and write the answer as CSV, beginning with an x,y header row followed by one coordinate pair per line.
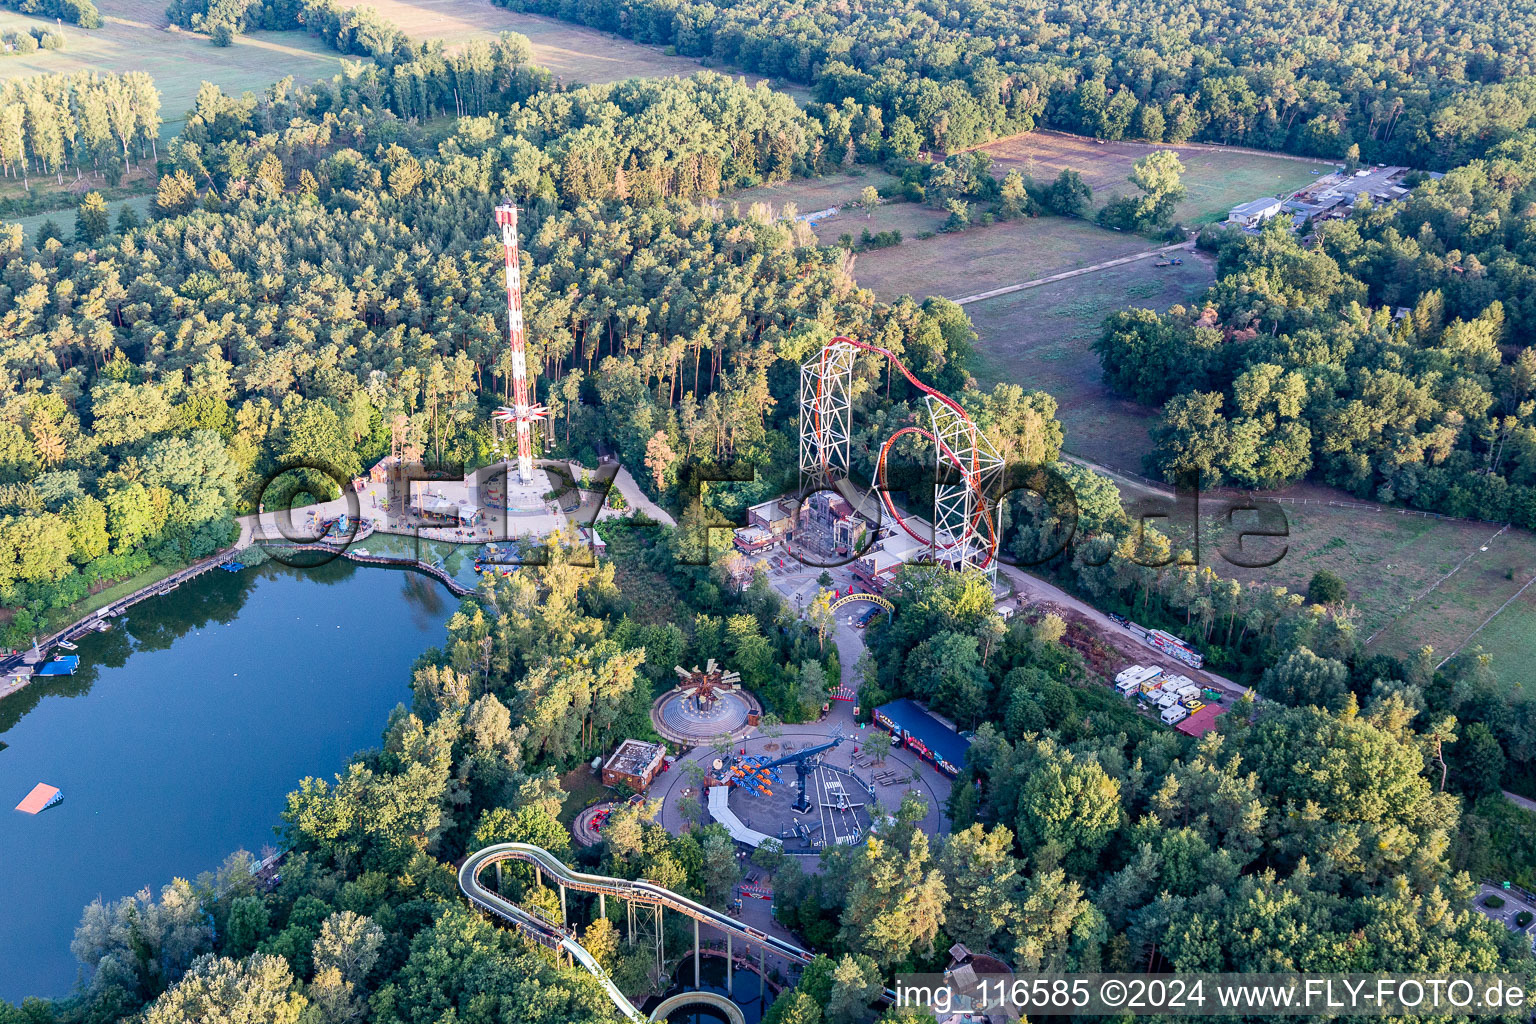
x,y
555,937
962,512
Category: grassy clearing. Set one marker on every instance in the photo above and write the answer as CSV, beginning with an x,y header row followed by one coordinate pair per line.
x,y
1396,567
65,219
135,38
1217,179
1043,338
573,53
980,259
812,194
1511,640
911,219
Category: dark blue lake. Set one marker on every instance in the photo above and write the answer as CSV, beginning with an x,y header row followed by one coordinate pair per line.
x,y
182,733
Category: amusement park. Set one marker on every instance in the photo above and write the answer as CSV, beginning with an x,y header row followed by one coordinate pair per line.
x,y
792,790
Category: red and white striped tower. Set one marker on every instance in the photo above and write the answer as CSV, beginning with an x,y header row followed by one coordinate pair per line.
x,y
521,413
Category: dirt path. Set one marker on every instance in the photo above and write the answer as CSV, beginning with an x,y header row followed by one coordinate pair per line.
x,y
1520,801
1065,274
1038,591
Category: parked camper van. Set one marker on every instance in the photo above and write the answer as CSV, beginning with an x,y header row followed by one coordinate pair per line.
x,y
1174,715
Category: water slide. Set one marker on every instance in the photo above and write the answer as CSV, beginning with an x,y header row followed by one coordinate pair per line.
x,y
647,893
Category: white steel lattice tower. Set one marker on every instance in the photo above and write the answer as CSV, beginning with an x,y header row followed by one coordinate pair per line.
x,y
521,413
965,526
826,383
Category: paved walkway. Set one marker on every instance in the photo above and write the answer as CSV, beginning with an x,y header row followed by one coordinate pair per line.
x,y
1515,903
1065,274
1520,801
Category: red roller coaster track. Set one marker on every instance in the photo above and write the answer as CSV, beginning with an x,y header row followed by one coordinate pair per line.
x,y
971,473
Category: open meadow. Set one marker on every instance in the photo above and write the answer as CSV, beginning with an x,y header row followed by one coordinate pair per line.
x,y
1043,338
982,258
1413,580
135,38
65,219
1216,179
1510,640
812,194
573,53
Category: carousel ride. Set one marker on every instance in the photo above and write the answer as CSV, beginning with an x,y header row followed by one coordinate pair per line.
x,y
706,703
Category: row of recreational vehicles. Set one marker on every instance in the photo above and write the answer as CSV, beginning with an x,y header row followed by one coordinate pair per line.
x,y
1176,696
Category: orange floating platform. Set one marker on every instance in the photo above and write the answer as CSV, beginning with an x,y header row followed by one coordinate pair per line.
x,y
42,797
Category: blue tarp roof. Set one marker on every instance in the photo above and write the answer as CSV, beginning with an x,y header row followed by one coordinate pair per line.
x,y
64,666
934,734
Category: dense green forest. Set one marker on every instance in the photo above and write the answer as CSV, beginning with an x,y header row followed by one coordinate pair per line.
x,y
296,293
1427,87
67,123
1393,358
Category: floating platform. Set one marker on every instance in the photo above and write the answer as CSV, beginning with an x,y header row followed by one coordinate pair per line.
x,y
231,566
64,665
42,797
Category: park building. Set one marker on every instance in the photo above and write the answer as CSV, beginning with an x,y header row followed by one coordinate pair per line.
x,y
921,731
1256,212
875,568
635,764
775,517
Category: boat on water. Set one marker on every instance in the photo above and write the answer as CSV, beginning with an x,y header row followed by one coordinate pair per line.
x,y
68,646
64,665
42,797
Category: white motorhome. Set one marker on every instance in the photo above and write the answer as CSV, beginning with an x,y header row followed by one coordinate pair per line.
x,y
1167,699
1183,686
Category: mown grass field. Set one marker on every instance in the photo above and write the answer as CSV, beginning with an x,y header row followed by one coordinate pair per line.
x,y
812,194
135,38
1413,580
1043,338
982,258
1216,179
65,219
573,53
1511,641
911,219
